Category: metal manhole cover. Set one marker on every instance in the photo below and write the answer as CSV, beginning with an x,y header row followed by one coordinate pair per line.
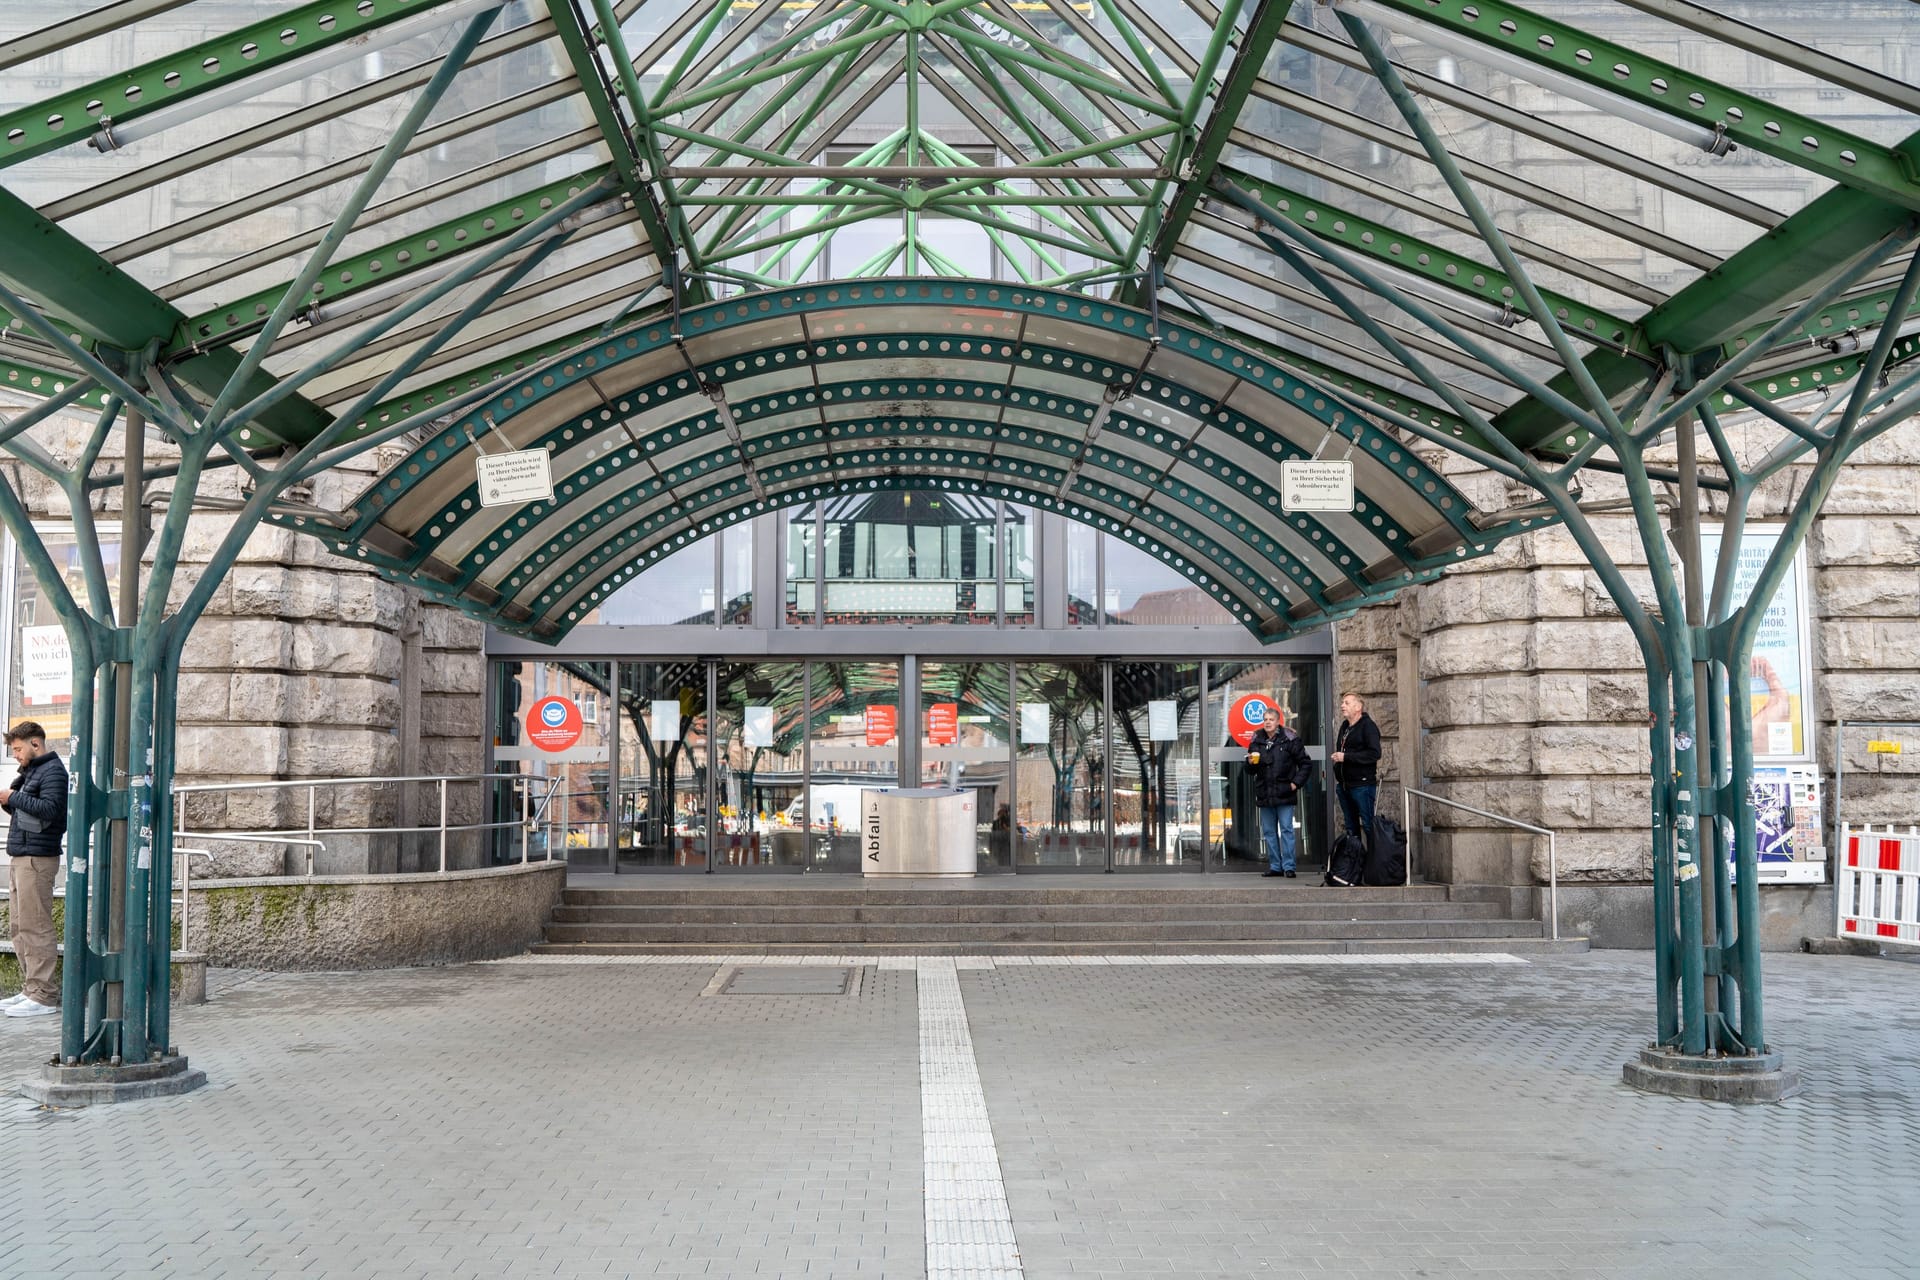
x,y
788,980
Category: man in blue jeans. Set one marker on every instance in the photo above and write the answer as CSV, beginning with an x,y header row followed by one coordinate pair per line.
x,y
1280,766
1356,755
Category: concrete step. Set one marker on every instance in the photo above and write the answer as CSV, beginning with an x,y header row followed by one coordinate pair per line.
x,y
706,953
1027,912
1256,889
1174,932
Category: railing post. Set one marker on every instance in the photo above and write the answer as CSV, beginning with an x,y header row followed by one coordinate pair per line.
x,y
525,783
1553,885
443,826
312,803
1406,825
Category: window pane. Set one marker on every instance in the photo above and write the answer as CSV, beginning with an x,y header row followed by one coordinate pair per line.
x,y
1142,590
678,591
1019,562
40,684
1083,584
1062,782
902,557
736,571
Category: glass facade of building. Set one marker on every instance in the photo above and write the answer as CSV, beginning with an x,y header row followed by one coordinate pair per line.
x,y
756,682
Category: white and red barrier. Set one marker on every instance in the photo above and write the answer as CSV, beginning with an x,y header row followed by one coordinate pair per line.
x,y
1876,884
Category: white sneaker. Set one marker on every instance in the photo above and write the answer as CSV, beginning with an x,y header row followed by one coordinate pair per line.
x,y
30,1008
13,1000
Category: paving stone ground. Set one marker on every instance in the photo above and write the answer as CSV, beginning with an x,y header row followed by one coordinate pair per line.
x,y
529,1119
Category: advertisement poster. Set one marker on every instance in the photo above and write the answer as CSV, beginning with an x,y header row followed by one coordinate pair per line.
x,y
1778,681
1163,721
46,666
1786,823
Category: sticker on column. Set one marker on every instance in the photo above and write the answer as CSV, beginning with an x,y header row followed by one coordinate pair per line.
x,y
1683,742
1036,724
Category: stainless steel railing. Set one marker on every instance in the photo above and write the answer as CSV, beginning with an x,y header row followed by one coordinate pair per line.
x,y
308,836
1553,865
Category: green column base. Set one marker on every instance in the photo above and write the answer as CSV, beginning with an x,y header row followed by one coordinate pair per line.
x,y
1761,1077
98,1083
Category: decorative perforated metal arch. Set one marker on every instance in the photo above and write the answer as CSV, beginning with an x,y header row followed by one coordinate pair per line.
x,y
1485,227
1165,435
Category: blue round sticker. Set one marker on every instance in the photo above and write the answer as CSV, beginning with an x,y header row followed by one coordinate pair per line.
x,y
554,713
1256,713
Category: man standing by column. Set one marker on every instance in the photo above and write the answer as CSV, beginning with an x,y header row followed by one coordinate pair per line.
x,y
1356,753
37,802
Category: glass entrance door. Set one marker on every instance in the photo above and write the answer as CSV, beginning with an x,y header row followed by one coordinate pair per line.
x,y
1233,820
853,743
965,713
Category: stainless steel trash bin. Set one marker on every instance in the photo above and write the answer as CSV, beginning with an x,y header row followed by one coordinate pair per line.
x,y
918,831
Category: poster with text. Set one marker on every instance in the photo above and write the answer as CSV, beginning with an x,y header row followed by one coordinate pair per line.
x,y
1778,680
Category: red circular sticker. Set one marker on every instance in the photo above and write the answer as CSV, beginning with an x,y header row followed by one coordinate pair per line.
x,y
1250,714
554,723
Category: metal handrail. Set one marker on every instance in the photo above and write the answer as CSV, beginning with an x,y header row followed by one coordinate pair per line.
x,y
313,785
1553,864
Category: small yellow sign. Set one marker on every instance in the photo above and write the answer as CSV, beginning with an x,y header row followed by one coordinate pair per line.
x,y
1883,748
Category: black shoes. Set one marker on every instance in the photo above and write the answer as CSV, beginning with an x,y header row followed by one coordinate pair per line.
x,y
1273,873
1289,875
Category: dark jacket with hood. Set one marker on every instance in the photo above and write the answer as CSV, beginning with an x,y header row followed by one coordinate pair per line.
x,y
1284,766
1360,741
38,806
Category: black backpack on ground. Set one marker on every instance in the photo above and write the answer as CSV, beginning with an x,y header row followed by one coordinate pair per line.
x,y
1346,862
1387,859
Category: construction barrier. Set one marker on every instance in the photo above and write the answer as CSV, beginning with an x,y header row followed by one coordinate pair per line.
x,y
1877,884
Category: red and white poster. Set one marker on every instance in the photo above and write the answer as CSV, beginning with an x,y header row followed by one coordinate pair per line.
x,y
1249,714
882,724
554,723
943,724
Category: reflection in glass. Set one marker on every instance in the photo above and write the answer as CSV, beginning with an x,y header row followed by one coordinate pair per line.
x,y
1019,529
853,733
663,759
1083,575
1062,764
736,575
910,556
1296,687
676,591
798,534
1157,800
964,717
574,823
760,780
1143,590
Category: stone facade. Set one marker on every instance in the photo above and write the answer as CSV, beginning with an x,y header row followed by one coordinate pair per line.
x,y
1532,695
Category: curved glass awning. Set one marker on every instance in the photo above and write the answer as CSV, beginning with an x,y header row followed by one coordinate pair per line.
x,y
406,226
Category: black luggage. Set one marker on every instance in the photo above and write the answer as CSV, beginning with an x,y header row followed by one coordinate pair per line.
x,y
1387,859
1347,861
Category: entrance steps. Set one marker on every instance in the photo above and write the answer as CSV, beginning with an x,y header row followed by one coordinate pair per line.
x,y
1035,916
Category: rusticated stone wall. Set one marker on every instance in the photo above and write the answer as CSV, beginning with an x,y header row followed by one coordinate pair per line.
x,y
1532,694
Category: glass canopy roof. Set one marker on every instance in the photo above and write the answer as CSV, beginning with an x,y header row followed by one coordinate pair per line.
x,y
1113,258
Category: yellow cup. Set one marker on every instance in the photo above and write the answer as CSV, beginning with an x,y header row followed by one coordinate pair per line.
x,y
1253,757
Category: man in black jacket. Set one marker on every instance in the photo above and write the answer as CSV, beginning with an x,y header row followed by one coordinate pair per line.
x,y
1280,766
1356,753
37,802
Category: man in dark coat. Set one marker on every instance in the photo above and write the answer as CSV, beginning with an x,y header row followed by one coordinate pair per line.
x,y
1356,753
37,803
1280,765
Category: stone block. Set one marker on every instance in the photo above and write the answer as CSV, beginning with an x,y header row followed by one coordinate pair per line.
x,y
1602,856
318,646
239,751
328,752
261,697
1508,699
1377,627
1584,645
450,716
1876,491
1449,702
203,696
1617,697
1471,752
1561,697
442,628
1860,591
452,756
209,646
444,672
1872,695
1586,750
1371,674
1492,647
1862,540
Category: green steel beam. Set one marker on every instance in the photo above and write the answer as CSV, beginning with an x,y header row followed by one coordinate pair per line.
x,y
1887,173
106,305
1197,168
628,160
74,114
1763,279
394,260
1453,271
39,381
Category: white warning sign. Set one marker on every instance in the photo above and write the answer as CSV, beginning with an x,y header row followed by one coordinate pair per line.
x,y
507,479
1316,486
